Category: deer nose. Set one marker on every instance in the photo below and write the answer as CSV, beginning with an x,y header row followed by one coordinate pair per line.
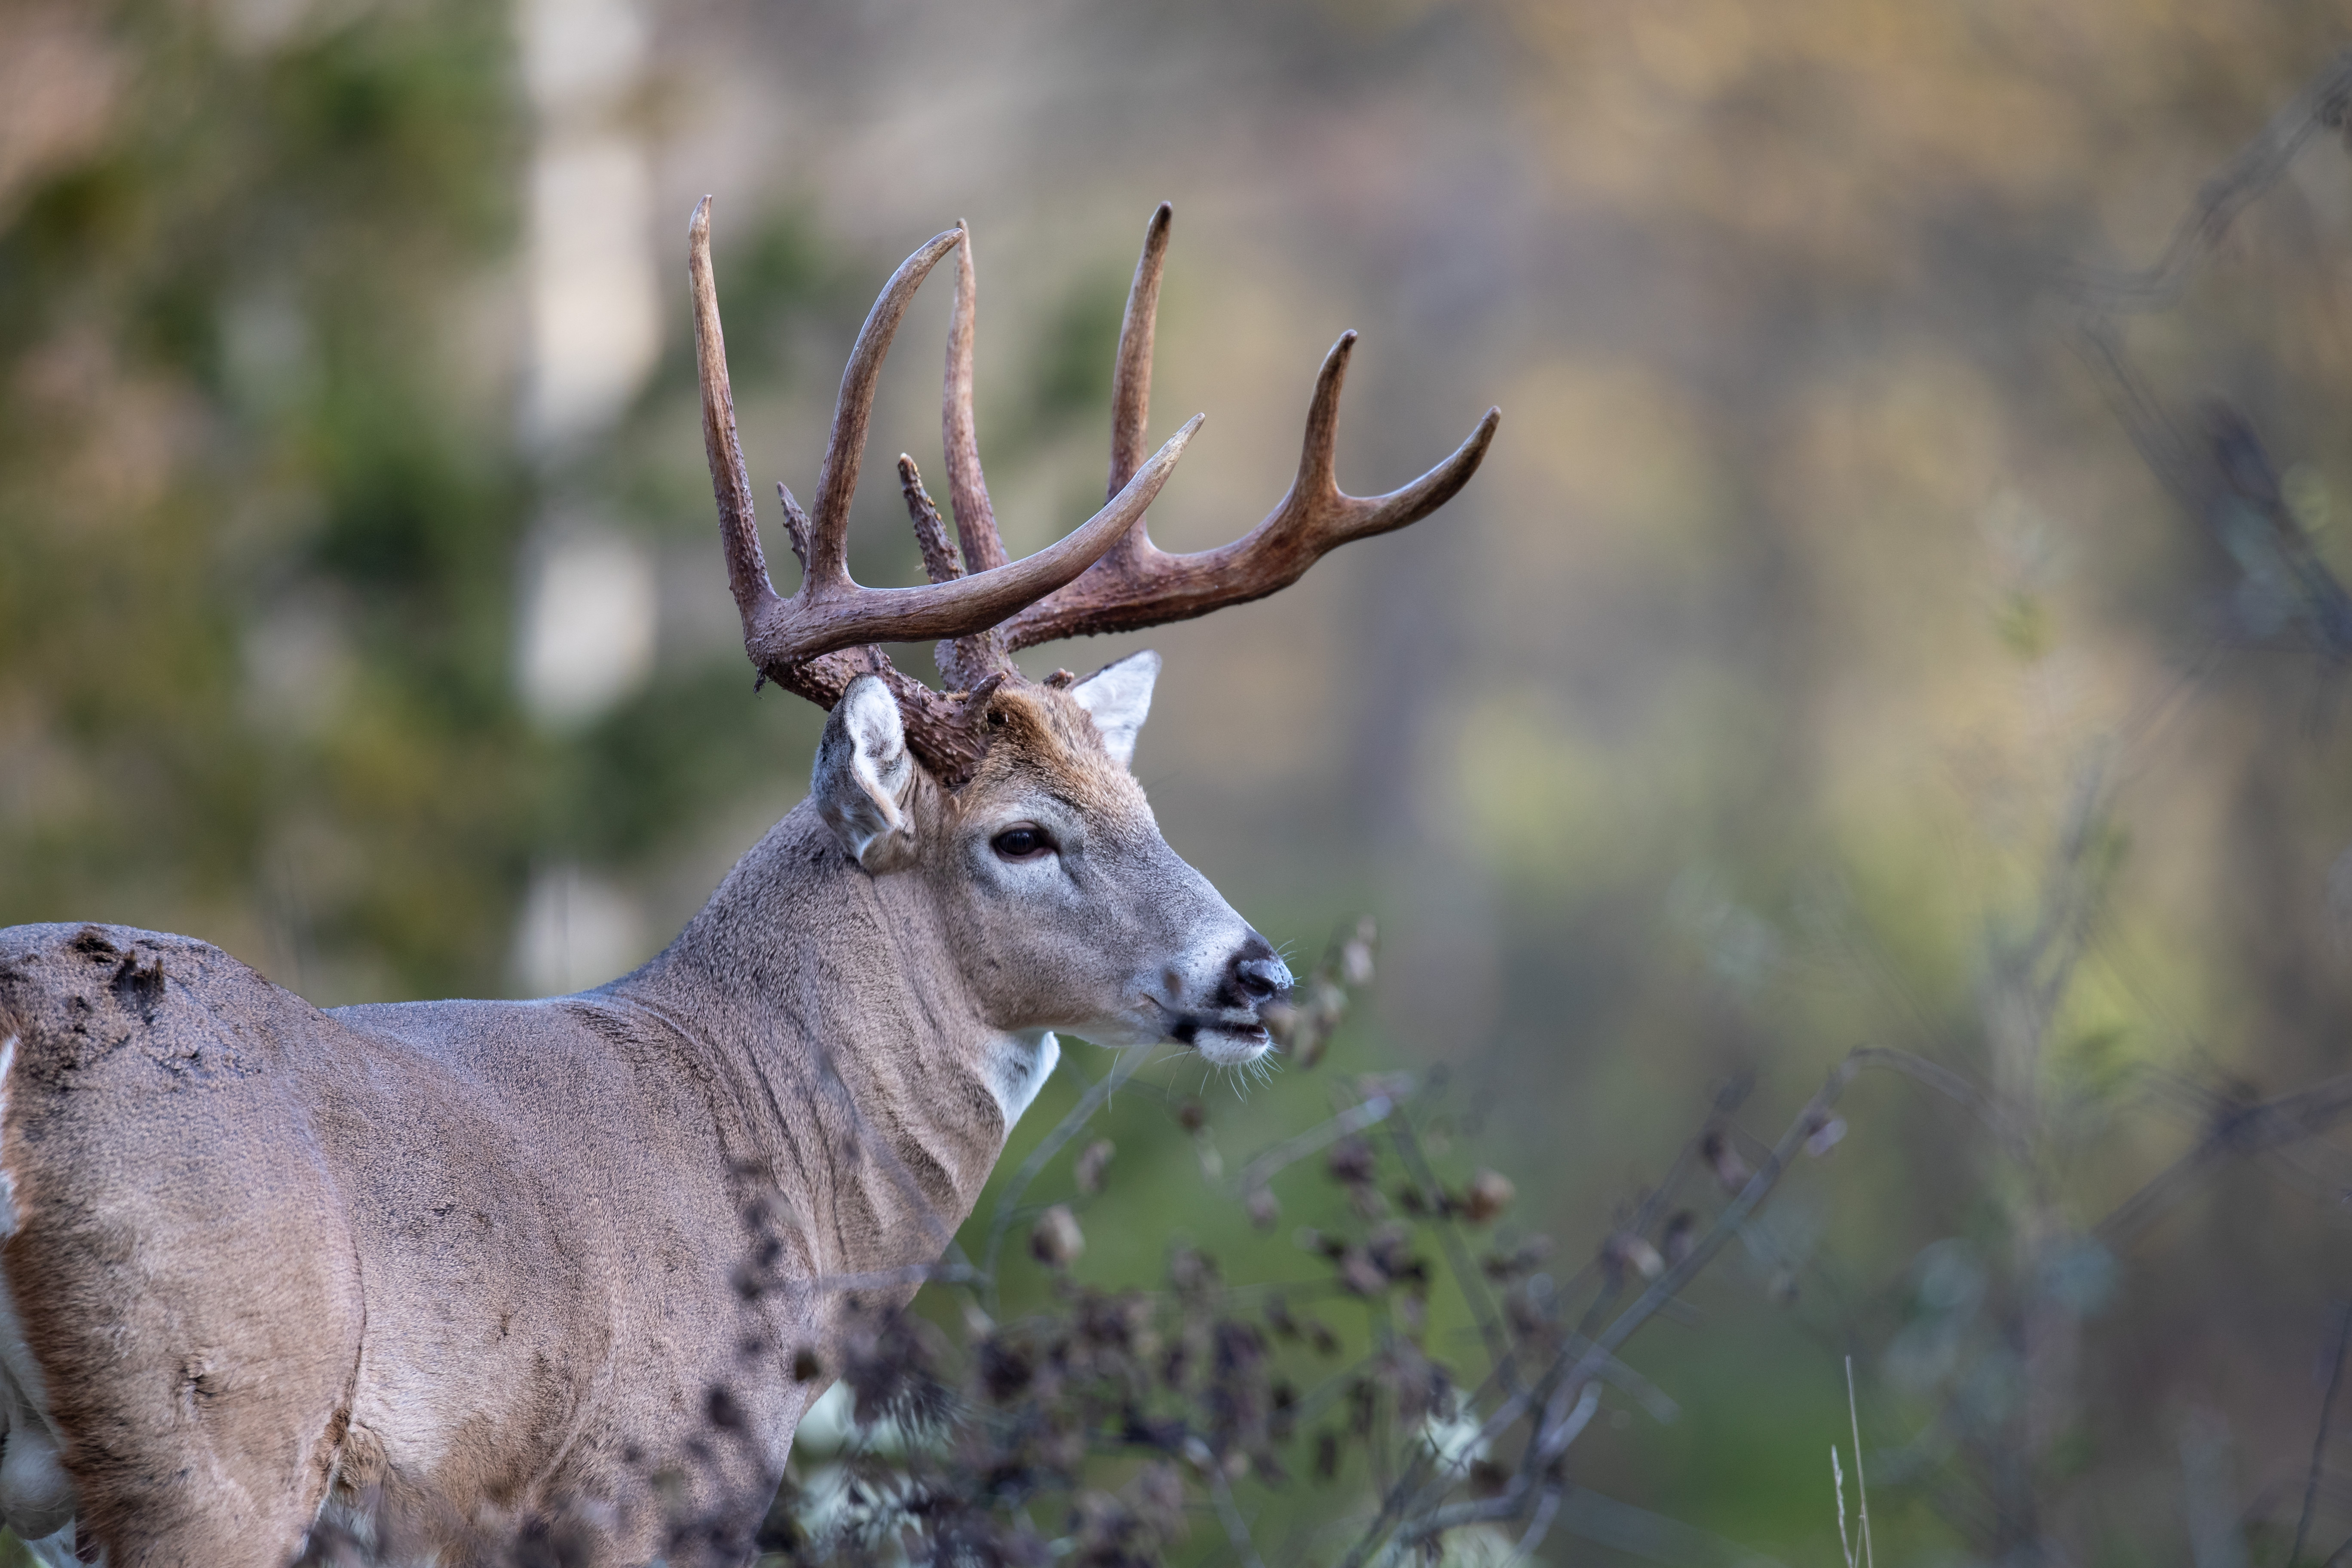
x,y
1258,973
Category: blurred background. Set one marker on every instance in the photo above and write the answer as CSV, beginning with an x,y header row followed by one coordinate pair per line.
x,y
1816,661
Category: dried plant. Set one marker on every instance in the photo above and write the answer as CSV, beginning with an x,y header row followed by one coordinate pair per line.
x,y
1125,1425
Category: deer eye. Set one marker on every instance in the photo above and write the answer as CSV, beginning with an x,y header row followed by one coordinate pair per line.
x,y
1025,842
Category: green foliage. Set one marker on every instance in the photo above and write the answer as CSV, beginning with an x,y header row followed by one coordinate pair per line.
x,y
225,355
261,499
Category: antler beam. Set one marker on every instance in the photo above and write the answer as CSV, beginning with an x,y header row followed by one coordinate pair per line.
x,y
1137,584
830,611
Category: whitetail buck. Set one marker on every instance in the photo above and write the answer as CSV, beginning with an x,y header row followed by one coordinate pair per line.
x,y
446,1268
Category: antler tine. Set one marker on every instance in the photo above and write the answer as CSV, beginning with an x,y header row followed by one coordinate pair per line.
x,y
812,622
966,662
731,483
1130,387
1140,586
837,481
1318,509
830,612
975,520
940,563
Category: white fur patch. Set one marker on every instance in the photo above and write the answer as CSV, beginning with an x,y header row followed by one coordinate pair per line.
x,y
1118,697
1018,1067
56,1551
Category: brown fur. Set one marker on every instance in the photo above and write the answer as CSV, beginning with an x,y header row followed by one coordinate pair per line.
x,y
476,1262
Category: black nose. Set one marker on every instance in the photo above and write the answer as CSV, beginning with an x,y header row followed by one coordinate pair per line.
x,y
1258,975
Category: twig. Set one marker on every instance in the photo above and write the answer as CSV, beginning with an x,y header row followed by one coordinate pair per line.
x,y
1837,1485
1466,1277
1540,1526
1860,1485
1123,1067
2319,1438
1660,1405
1573,1374
1292,1150
2320,106
2237,1128
1237,1526
1439,1520
2134,402
1935,1075
1653,1205
891,1278
1726,1224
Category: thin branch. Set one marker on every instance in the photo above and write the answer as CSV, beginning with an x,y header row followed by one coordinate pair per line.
x,y
1540,1526
1940,1079
1123,1067
1860,1485
1466,1277
1437,1522
2319,1438
891,1278
1573,1374
1230,1514
1726,1224
2237,1129
1292,1150
1837,1489
2320,106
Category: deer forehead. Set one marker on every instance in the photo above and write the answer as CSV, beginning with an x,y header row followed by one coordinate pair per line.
x,y
1042,741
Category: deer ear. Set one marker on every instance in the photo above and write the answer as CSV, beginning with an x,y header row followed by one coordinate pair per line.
x,y
1119,697
865,778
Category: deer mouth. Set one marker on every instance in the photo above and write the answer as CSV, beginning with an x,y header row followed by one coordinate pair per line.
x,y
1225,1044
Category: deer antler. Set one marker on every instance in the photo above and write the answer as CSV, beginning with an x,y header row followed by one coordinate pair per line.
x,y
830,612
1137,584
966,489
965,661
1105,575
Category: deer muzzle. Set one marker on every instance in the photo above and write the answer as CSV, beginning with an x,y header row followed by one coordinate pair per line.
x,y
1231,1031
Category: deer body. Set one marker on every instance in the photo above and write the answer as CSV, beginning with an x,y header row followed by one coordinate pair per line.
x,y
456,1272
475,1262
447,1253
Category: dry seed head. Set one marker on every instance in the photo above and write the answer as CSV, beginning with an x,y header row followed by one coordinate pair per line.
x,y
1090,1165
1057,1241
1489,1193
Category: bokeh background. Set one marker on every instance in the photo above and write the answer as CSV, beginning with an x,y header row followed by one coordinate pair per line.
x,y
1816,662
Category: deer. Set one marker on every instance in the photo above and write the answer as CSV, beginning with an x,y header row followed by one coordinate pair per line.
x,y
441,1274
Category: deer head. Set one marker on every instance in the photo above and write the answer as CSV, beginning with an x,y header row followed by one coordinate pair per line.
x,y
1010,800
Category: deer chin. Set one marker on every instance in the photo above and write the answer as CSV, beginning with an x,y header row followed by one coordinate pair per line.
x,y
1227,1045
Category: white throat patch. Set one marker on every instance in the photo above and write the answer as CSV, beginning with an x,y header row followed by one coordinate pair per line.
x,y
1018,1067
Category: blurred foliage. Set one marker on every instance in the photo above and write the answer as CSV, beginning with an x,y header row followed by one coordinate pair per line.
x,y
261,502
1816,661
232,381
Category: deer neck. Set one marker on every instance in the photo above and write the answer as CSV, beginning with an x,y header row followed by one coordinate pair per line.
x,y
827,1003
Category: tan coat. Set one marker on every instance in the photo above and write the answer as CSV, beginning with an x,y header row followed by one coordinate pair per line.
x,y
457,1266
